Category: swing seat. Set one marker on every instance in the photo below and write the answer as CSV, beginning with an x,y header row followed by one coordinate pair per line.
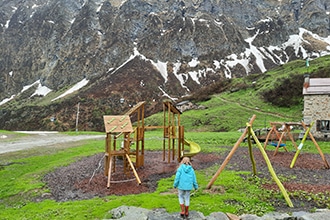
x,y
275,144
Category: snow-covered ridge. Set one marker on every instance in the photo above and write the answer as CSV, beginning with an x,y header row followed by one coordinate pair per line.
x,y
253,56
259,54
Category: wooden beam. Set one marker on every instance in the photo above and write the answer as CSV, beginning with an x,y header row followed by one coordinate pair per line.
x,y
225,162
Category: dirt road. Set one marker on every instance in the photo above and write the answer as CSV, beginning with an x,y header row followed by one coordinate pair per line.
x,y
12,142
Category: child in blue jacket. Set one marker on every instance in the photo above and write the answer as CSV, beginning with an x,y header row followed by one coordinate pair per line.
x,y
185,181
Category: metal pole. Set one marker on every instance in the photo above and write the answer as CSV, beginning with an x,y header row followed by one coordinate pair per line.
x,y
77,117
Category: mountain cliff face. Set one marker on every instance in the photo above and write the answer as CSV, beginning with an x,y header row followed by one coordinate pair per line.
x,y
140,50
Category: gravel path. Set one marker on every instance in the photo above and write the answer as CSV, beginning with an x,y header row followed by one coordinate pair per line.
x,y
12,142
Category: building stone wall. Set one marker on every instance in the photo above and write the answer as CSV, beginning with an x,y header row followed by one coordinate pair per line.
x,y
316,107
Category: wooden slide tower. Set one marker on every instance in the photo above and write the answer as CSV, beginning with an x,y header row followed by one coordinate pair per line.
x,y
120,136
173,133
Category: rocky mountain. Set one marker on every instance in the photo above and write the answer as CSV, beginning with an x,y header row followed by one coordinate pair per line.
x,y
108,55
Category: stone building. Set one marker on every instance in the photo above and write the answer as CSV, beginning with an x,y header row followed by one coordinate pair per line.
x,y
316,92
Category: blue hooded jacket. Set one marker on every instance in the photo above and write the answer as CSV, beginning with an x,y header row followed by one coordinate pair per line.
x,y
185,178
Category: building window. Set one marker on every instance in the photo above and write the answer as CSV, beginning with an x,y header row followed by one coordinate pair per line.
x,y
323,125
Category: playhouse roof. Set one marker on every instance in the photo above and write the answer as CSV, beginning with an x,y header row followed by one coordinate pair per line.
x,y
317,86
171,107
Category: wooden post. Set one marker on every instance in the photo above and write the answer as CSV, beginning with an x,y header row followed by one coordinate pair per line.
x,y
225,162
291,137
300,146
279,143
270,168
318,148
137,146
268,136
169,132
134,171
320,151
109,172
181,143
107,153
164,132
251,155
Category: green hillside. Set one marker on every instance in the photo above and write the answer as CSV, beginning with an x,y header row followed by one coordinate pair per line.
x,y
272,96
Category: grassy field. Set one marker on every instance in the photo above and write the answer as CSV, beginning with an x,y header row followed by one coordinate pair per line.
x,y
214,125
21,186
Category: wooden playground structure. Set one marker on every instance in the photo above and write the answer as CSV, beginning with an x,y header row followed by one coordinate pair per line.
x,y
120,126
280,137
173,135
121,135
249,134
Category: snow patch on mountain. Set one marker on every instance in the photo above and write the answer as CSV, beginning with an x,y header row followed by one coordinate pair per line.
x,y
40,91
76,87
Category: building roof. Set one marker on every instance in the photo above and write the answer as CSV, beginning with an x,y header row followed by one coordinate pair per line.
x,y
317,86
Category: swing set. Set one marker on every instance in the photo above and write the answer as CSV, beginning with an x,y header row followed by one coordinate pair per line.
x,y
280,138
250,135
